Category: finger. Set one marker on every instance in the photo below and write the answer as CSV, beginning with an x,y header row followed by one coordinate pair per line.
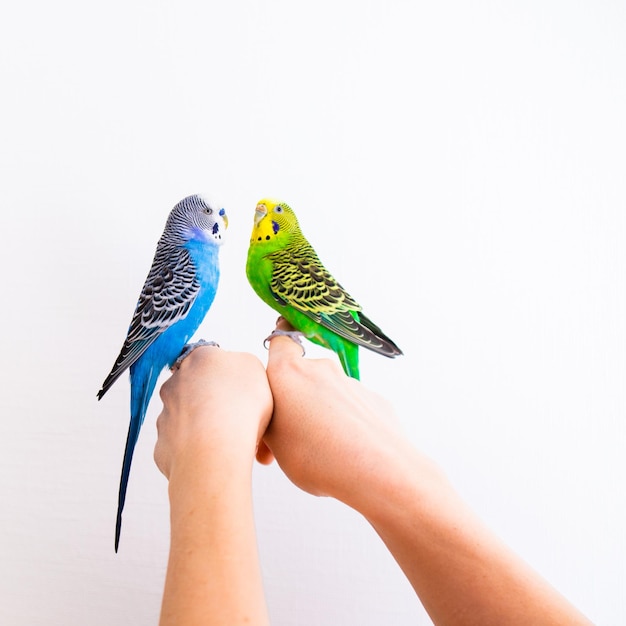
x,y
189,348
285,346
160,459
196,353
159,421
283,324
263,454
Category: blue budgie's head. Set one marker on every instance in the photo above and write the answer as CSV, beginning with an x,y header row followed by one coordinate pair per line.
x,y
197,218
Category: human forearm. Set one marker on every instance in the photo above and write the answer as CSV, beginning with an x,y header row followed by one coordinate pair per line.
x,y
215,408
334,437
462,573
213,571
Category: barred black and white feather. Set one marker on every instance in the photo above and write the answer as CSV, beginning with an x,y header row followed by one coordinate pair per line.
x,y
172,285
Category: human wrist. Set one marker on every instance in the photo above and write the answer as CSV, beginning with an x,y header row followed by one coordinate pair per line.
x,y
392,481
197,483
205,463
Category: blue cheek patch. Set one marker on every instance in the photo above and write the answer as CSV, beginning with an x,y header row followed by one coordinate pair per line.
x,y
275,227
216,227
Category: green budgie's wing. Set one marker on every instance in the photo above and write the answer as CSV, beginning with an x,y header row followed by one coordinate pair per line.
x,y
300,280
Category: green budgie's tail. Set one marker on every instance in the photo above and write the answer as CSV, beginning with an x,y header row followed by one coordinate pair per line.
x,y
343,333
348,355
381,344
367,335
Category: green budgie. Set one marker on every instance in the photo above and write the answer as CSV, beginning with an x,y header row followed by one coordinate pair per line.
x,y
286,273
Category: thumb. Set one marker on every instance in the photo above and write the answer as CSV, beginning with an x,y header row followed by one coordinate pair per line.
x,y
285,343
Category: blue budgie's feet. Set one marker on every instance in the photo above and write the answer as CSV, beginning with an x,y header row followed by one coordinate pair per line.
x,y
189,348
294,334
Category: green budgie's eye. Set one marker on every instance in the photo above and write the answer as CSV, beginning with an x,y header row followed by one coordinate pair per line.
x,y
278,209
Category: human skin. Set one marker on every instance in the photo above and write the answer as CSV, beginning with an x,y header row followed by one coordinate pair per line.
x,y
344,443
216,407
332,437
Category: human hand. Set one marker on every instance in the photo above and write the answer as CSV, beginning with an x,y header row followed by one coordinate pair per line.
x,y
329,433
216,407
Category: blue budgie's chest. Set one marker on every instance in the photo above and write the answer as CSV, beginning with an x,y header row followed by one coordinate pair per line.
x,y
205,260
207,273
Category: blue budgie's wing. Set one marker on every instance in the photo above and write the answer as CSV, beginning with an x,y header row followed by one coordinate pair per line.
x,y
167,295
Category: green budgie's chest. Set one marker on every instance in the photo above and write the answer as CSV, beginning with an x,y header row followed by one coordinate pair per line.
x,y
260,268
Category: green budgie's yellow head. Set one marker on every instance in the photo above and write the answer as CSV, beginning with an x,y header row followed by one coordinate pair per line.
x,y
273,220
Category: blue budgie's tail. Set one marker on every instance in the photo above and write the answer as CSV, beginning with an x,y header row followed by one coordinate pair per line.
x,y
143,379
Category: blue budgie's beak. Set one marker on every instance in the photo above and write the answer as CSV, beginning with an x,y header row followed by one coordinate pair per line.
x,y
224,217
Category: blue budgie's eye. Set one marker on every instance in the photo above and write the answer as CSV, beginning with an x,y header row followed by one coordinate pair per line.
x,y
222,212
208,210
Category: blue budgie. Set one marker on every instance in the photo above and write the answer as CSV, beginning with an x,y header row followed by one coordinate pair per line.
x,y
176,296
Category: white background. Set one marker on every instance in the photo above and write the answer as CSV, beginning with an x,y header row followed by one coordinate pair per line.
x,y
459,167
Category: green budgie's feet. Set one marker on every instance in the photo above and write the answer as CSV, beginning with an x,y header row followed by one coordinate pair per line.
x,y
293,334
189,348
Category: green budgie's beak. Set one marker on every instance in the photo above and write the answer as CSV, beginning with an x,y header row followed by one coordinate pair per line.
x,y
259,213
